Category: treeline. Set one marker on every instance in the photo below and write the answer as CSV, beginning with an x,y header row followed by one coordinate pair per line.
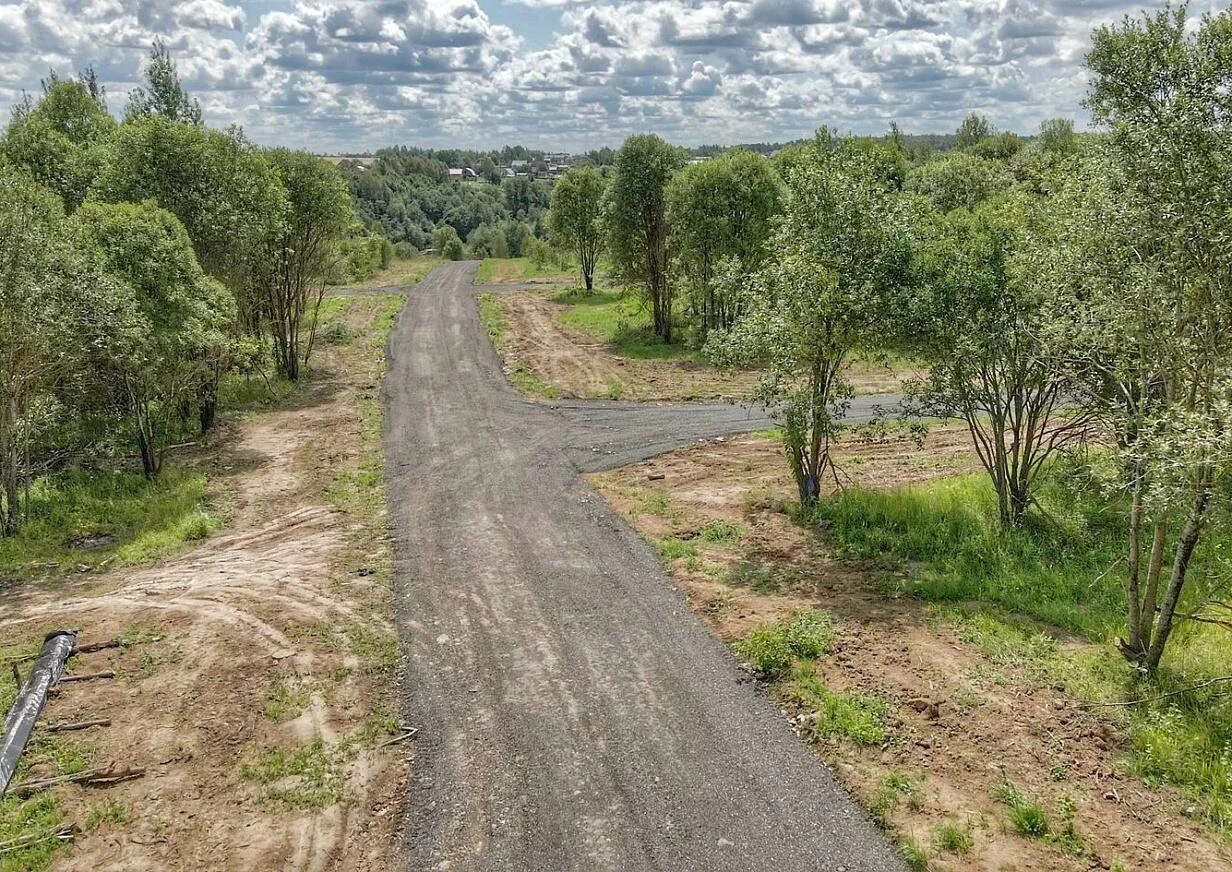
x,y
406,195
1070,291
143,261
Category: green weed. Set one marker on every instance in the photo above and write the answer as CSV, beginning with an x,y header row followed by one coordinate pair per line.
x,y
308,777
1028,816
913,854
722,533
28,819
953,838
109,811
287,699
856,717
93,517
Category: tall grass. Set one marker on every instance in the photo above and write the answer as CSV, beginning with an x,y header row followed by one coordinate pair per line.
x,y
89,517
940,542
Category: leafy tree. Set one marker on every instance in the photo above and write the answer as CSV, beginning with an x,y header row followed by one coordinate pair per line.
x,y
447,243
959,180
34,332
301,254
973,130
219,185
637,220
171,320
165,95
721,209
576,217
61,139
1144,264
978,331
1057,136
835,286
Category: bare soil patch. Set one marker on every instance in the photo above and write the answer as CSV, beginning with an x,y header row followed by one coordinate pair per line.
x,y
576,365
959,724
255,684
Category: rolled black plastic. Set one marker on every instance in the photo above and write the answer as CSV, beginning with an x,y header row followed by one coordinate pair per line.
x,y
31,697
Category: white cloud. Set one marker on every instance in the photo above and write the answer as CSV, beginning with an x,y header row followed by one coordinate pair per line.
x,y
332,74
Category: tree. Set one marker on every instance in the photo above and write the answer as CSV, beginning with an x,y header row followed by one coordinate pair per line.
x,y
959,180
171,320
636,212
836,285
61,139
1144,264
218,184
165,95
974,129
33,323
716,210
1057,136
447,243
301,254
576,217
979,332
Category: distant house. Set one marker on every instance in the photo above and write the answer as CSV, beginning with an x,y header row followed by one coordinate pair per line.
x,y
518,164
461,174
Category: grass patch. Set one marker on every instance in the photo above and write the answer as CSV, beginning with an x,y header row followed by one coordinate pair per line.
x,y
307,777
836,715
942,539
512,269
722,533
28,819
891,790
89,517
621,319
953,839
913,854
774,650
286,700
1027,815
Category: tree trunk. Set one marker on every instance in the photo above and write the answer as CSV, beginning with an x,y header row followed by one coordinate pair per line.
x,y
1180,566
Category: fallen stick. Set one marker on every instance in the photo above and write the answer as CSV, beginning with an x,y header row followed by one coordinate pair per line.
x,y
62,833
89,778
79,725
400,738
89,676
96,646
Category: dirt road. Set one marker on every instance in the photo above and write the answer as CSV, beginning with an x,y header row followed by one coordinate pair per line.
x,y
573,713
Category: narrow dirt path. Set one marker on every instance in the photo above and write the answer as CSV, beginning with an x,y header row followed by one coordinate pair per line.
x,y
573,713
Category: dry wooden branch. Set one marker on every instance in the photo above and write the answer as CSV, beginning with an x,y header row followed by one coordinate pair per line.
x,y
96,646
1201,684
89,777
399,738
89,676
62,833
78,725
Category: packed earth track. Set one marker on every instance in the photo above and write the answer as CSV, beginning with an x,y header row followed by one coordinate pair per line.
x,y
572,712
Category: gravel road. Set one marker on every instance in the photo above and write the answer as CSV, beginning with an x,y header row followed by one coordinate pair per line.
x,y
573,713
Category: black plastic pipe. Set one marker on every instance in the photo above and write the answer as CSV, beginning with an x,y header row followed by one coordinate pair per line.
x,y
31,697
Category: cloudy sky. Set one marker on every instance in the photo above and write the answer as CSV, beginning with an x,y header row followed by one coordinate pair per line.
x,y
335,75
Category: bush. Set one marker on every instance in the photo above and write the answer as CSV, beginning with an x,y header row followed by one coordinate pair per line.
x,y
767,650
809,634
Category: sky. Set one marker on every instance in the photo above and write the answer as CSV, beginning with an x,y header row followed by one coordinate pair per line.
x,y
353,75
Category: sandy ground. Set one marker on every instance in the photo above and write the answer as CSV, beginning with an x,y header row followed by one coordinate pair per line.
x,y
578,366
990,722
273,603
